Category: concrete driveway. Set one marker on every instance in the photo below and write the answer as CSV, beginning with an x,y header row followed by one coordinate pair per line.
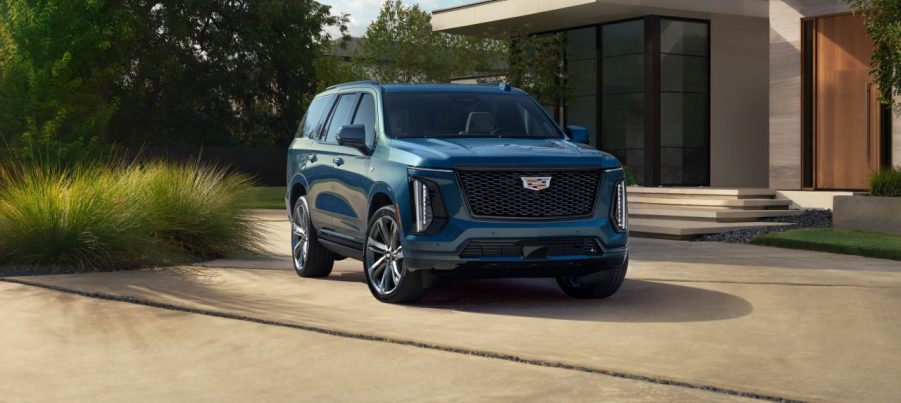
x,y
693,321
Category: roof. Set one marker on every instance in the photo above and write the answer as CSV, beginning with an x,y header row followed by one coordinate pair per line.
x,y
430,87
483,88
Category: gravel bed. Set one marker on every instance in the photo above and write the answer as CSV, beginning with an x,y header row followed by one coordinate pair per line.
x,y
15,271
809,219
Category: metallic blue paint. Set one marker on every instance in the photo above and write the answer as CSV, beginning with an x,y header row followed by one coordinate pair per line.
x,y
392,161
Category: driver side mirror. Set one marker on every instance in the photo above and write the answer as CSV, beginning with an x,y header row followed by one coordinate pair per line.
x,y
577,134
353,136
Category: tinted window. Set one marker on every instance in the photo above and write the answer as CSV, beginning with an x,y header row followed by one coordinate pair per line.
x,y
312,120
366,116
466,115
341,116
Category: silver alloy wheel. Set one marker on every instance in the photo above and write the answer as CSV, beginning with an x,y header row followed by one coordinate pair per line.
x,y
384,255
299,238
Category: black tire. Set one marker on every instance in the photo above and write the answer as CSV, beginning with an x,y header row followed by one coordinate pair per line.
x,y
317,261
596,285
389,281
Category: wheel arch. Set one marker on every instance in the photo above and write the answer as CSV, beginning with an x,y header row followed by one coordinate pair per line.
x,y
298,188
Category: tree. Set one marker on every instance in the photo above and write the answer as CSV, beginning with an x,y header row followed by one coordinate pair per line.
x,y
400,46
534,64
224,72
59,63
184,72
883,22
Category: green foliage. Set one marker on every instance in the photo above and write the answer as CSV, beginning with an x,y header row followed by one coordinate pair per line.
x,y
847,242
883,21
630,176
120,215
197,209
223,73
886,182
534,64
400,46
265,198
58,66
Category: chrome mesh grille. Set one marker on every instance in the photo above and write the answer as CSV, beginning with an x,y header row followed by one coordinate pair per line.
x,y
571,193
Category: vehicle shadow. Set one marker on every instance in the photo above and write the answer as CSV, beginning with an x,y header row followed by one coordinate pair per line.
x,y
636,302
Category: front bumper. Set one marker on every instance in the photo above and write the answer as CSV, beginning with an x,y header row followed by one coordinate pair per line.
x,y
444,251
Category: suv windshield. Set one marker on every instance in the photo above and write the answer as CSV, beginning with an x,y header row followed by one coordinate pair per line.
x,y
461,114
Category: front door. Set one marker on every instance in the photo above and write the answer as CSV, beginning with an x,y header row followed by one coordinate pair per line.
x,y
846,108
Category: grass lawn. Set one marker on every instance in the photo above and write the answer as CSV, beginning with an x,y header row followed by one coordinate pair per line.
x,y
836,241
266,198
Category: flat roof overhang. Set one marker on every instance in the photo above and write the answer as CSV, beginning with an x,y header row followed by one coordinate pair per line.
x,y
481,17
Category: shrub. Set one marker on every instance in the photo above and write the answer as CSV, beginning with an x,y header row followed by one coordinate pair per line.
x,y
120,215
197,209
886,182
630,176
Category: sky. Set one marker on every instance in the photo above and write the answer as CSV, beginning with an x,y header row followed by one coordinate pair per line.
x,y
362,12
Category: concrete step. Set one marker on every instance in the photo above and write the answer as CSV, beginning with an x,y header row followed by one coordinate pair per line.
x,y
703,192
686,229
635,200
705,213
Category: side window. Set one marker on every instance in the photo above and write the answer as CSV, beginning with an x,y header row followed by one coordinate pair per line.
x,y
366,116
312,120
341,117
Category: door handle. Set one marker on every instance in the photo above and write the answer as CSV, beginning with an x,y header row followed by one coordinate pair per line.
x,y
338,161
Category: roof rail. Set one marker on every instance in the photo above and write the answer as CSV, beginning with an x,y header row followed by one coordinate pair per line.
x,y
353,83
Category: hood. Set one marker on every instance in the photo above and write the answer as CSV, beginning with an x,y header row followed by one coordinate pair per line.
x,y
475,152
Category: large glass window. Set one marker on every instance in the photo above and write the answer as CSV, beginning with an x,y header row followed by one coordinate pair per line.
x,y
582,75
623,99
684,102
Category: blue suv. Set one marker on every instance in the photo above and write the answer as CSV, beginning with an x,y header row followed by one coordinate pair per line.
x,y
423,182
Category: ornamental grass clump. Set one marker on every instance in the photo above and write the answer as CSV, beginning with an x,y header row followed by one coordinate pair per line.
x,y
113,216
197,209
86,218
886,182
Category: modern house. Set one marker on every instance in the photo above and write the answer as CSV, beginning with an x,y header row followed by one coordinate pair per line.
x,y
715,93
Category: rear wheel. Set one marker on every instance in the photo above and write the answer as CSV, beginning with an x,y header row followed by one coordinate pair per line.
x,y
386,274
596,285
311,259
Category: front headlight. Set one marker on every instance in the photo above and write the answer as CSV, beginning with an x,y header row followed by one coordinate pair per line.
x,y
422,205
618,209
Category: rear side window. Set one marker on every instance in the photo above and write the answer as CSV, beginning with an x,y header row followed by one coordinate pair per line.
x,y
366,116
312,120
341,117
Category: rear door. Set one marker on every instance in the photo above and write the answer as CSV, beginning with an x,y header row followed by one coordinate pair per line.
x,y
304,155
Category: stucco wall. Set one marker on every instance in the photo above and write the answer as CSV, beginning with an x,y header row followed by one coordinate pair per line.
x,y
739,112
785,85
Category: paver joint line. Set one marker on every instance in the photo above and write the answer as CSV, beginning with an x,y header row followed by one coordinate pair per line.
x,y
411,343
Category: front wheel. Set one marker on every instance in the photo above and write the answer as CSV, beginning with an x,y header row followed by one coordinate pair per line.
x,y
386,274
596,285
